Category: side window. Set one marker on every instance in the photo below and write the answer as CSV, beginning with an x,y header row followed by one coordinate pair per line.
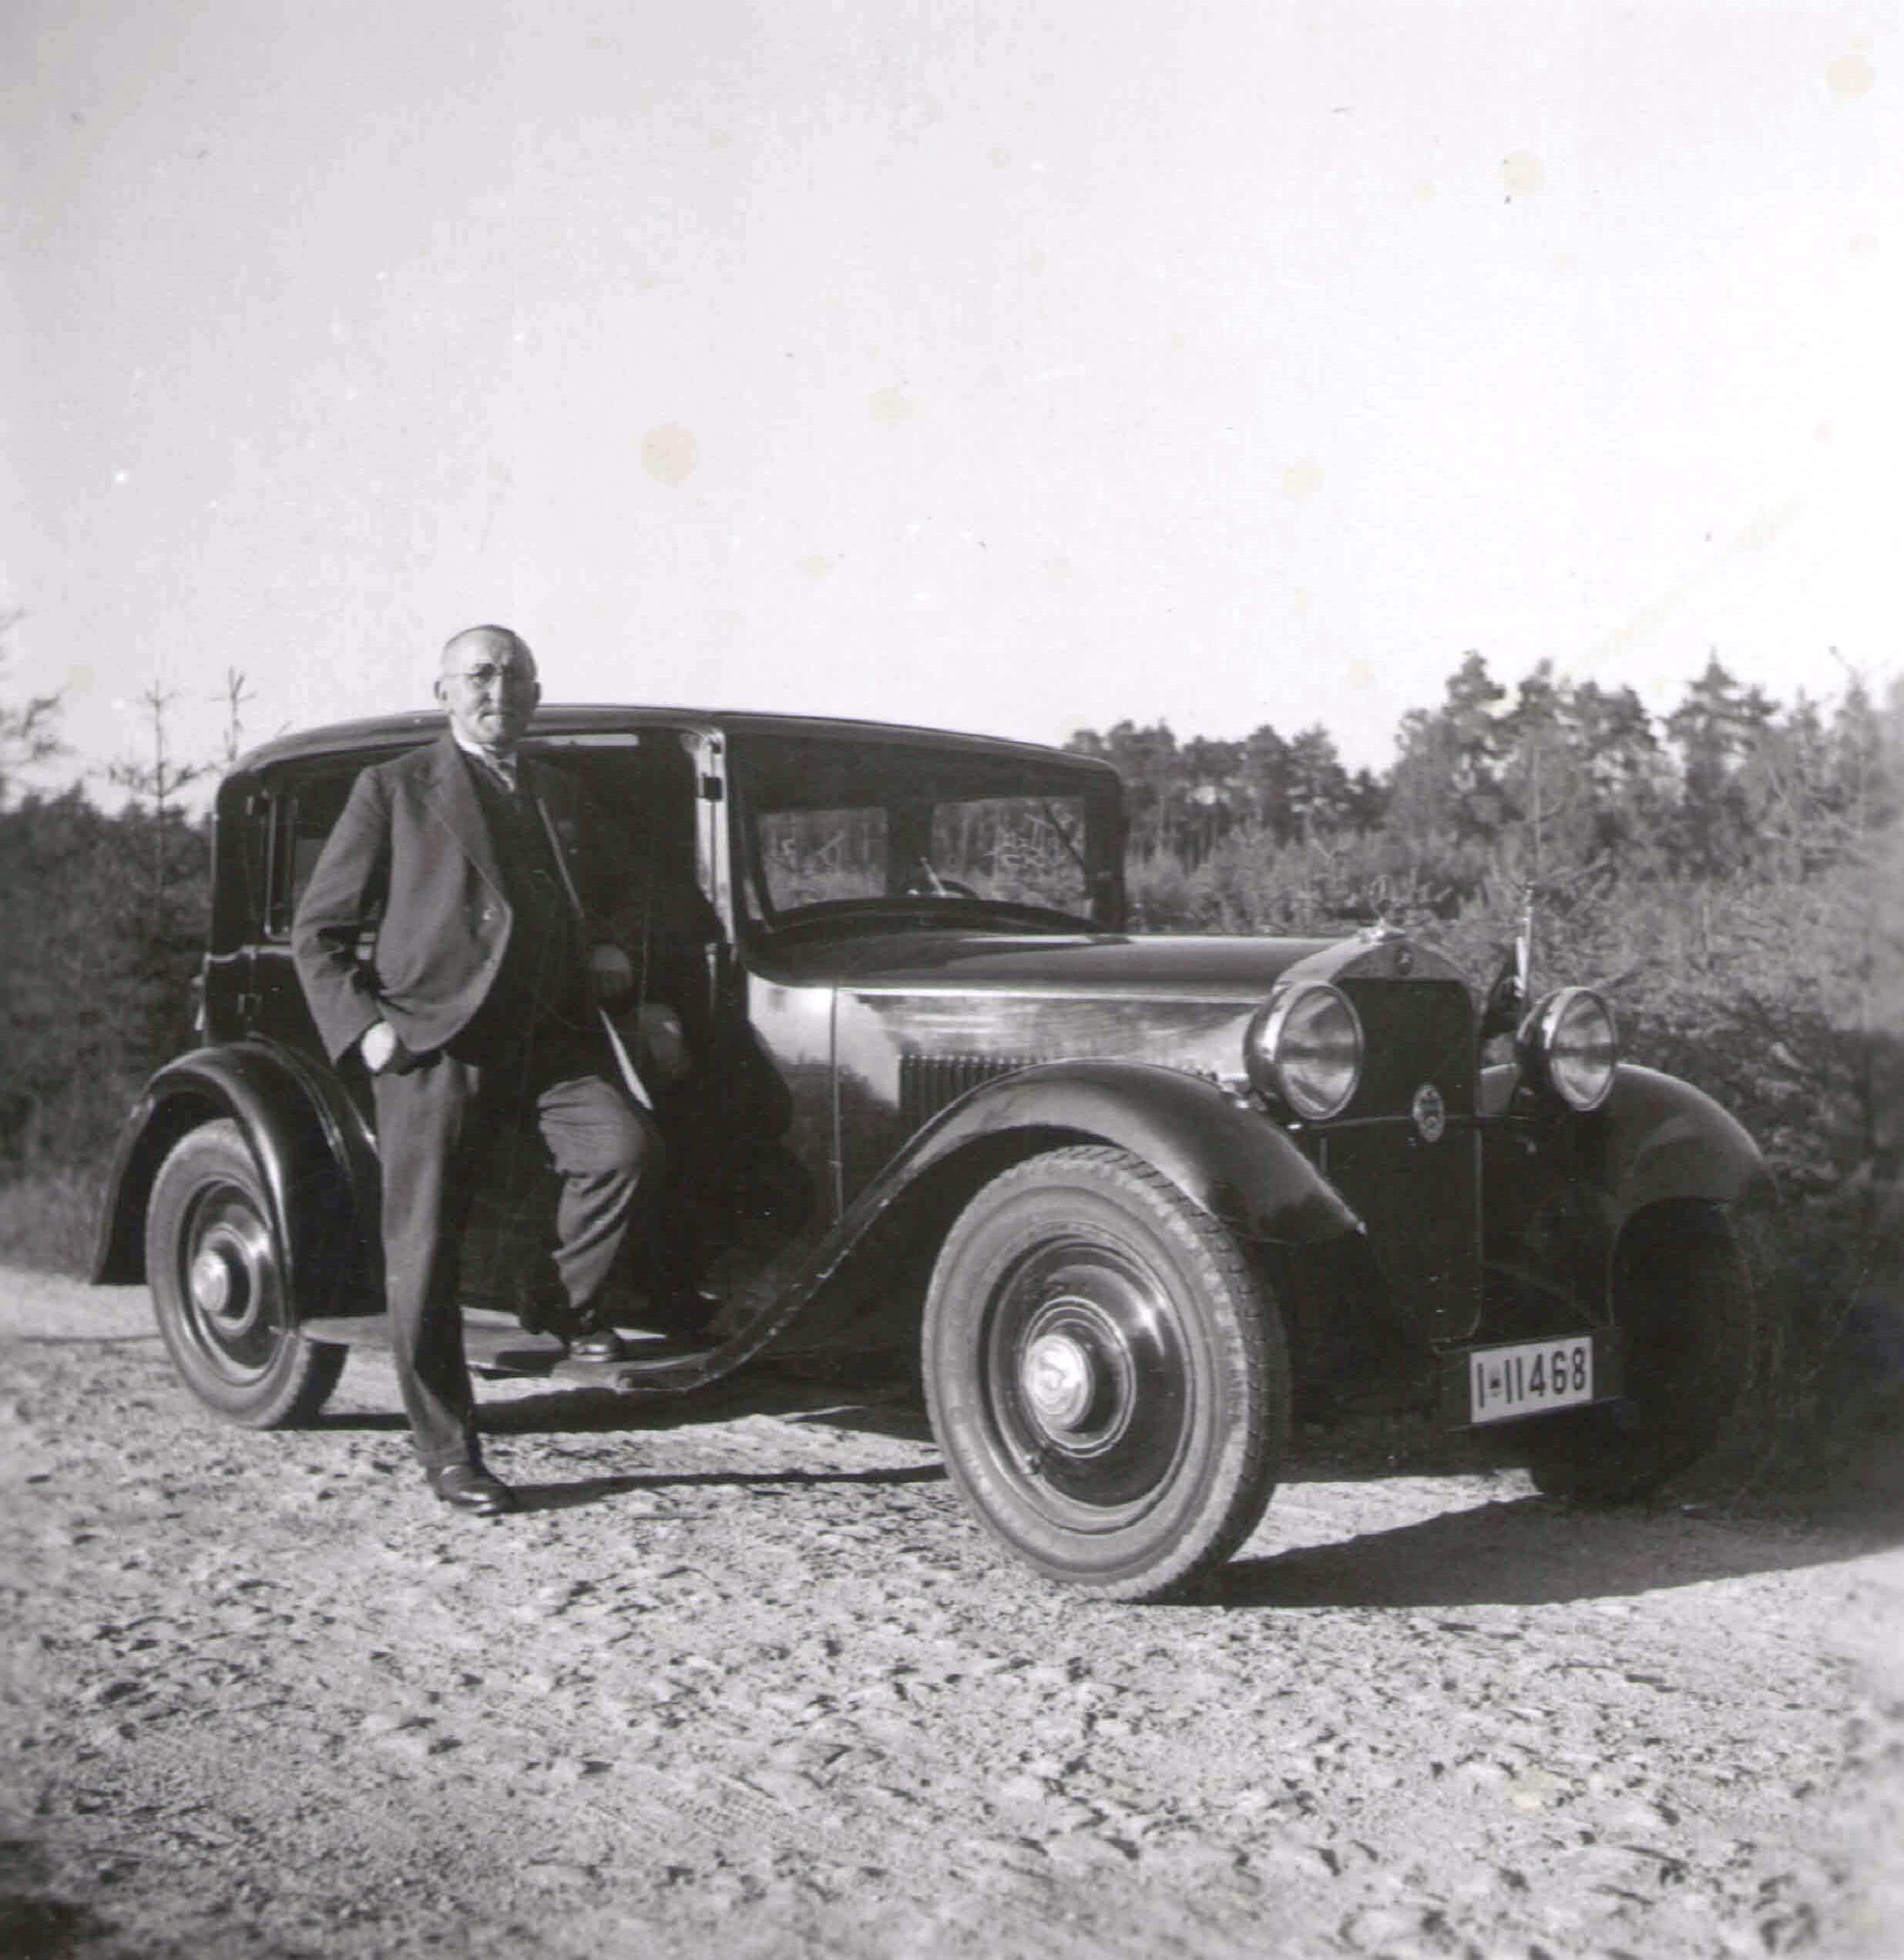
x,y
304,811
808,856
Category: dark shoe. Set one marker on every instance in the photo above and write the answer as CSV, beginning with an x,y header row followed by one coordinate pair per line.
x,y
596,1340
464,1487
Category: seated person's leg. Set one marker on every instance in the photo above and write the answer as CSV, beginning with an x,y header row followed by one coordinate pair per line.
x,y
611,1160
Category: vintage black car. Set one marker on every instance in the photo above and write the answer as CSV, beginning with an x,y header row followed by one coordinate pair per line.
x,y
1138,1201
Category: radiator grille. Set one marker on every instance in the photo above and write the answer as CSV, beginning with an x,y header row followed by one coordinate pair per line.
x,y
1420,1200
1421,1204
1413,1032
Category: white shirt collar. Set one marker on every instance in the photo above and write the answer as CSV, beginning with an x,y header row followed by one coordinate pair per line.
x,y
502,765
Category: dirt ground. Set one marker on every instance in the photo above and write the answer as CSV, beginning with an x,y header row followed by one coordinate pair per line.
x,y
744,1679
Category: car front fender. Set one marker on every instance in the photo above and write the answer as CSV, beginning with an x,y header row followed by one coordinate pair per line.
x,y
1230,1159
311,1154
1655,1137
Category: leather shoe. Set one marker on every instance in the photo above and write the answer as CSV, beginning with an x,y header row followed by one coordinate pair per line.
x,y
467,1487
596,1340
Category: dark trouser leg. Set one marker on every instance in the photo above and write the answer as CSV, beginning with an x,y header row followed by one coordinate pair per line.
x,y
608,1153
421,1118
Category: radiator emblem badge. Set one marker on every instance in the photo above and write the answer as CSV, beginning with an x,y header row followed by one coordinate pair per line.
x,y
1431,1113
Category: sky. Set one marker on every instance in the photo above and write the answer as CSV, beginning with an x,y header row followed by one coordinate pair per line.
x,y
1019,368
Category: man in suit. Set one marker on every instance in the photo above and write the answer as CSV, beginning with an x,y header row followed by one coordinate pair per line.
x,y
477,1019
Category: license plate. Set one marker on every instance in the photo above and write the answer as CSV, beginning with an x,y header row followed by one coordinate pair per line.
x,y
1524,1380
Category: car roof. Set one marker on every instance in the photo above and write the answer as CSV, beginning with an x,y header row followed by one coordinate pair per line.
x,y
396,732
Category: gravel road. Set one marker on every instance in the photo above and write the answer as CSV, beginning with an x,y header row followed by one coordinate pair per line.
x,y
745,1680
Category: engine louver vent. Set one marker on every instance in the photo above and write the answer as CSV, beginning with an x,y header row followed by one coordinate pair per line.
x,y
928,1083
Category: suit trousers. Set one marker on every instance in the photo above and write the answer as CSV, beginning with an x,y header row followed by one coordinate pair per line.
x,y
436,1125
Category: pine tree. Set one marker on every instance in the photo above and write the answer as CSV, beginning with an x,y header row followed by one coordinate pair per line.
x,y
1719,730
30,734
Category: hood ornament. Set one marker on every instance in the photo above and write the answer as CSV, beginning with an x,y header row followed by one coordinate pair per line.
x,y
1379,932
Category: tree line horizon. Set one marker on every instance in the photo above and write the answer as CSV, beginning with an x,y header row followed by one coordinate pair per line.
x,y
1570,773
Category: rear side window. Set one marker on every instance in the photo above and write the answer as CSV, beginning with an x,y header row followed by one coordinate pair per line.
x,y
304,811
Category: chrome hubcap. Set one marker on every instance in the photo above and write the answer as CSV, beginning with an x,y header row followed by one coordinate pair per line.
x,y
213,1282
1077,1377
1091,1383
229,1270
1059,1382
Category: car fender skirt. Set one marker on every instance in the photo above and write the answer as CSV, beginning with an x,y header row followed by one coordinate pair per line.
x,y
1232,1160
296,1151
1656,1137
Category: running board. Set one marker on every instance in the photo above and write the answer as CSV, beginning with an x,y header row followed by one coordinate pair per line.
x,y
499,1342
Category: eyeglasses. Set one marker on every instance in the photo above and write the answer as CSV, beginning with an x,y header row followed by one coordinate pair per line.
x,y
488,674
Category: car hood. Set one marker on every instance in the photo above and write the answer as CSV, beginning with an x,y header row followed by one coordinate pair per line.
x,y
978,1003
1227,971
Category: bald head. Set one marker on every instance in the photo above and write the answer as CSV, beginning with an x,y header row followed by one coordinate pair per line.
x,y
487,685
485,642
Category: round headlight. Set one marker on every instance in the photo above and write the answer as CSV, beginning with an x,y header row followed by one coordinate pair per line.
x,y
1304,1045
1575,1046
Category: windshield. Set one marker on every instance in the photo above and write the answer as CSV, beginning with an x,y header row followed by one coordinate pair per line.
x,y
833,826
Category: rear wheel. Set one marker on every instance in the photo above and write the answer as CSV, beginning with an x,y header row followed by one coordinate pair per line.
x,y
1108,1380
216,1272
1682,1300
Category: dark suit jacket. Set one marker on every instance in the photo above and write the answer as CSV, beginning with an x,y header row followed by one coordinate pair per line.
x,y
411,854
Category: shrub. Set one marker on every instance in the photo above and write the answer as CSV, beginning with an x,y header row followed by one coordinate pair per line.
x,y
47,1217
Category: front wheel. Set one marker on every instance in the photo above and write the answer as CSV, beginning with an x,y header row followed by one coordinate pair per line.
x,y
216,1272
1109,1381
1682,1300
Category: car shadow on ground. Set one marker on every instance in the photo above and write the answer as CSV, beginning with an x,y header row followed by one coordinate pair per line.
x,y
594,1490
34,1922
1535,1552
1372,1448
1510,1550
